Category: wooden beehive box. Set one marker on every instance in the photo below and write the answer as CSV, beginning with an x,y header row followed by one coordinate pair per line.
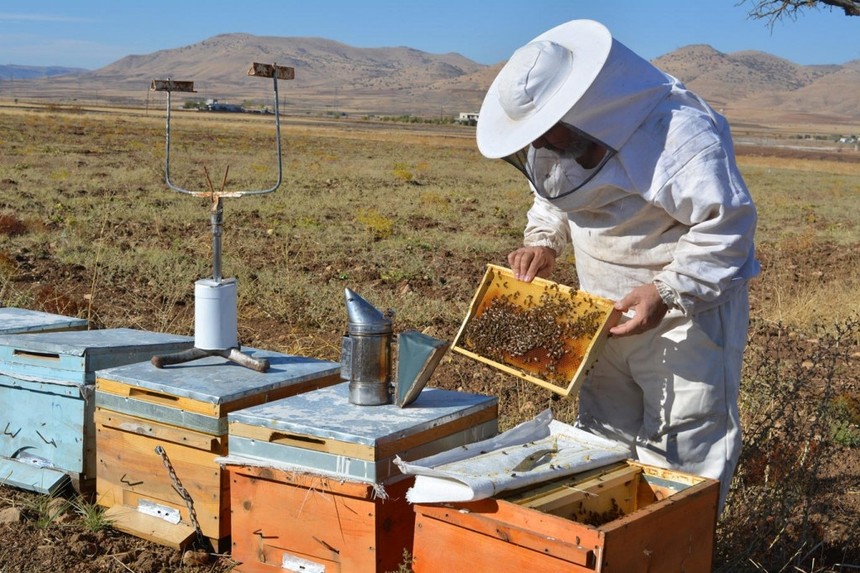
x,y
49,435
313,483
626,517
19,320
183,410
542,332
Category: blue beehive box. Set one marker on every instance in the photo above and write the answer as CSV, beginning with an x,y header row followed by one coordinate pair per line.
x,y
47,396
19,320
182,410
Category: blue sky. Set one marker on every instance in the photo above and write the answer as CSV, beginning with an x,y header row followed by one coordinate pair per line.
x,y
94,33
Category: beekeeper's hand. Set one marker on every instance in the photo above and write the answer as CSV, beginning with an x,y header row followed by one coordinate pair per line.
x,y
649,309
530,262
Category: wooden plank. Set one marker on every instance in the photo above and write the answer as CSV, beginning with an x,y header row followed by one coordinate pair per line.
x,y
303,441
308,480
46,425
462,516
172,86
271,559
361,535
675,534
215,527
215,530
183,436
512,533
127,462
129,520
563,494
440,547
272,71
153,397
32,478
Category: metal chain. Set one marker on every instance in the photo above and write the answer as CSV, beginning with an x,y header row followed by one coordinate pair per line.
x,y
183,493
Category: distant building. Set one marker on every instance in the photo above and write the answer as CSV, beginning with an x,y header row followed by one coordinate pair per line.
x,y
467,118
215,105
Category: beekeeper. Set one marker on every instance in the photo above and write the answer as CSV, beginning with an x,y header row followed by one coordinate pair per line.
x,y
639,174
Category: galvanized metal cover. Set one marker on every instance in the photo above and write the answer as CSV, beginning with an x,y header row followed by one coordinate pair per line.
x,y
92,342
72,357
18,320
326,413
216,380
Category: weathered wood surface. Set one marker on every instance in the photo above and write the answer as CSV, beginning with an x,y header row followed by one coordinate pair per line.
x,y
337,524
675,533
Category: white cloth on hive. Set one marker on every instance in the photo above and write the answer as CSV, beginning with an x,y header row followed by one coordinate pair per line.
x,y
533,452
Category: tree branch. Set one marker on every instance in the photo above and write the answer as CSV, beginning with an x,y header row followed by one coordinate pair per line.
x,y
774,10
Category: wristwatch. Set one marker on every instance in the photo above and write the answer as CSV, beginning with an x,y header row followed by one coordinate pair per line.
x,y
667,294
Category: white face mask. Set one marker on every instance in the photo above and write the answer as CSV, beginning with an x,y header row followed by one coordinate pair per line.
x,y
556,173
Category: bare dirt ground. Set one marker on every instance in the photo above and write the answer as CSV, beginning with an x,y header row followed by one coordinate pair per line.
x,y
67,544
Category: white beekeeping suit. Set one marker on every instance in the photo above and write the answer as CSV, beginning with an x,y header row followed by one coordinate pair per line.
x,y
666,205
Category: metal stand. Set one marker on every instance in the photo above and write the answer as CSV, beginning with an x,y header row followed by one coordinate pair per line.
x,y
230,352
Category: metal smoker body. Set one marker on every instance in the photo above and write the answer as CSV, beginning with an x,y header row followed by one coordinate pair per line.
x,y
366,357
366,352
215,313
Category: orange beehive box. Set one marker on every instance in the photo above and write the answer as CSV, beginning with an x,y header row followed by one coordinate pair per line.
x,y
313,482
626,518
160,430
288,521
541,331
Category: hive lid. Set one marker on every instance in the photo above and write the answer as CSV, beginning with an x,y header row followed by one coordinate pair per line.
x,y
327,414
18,320
72,357
216,380
198,395
543,332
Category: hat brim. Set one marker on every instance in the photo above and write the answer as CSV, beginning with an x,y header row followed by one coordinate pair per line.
x,y
499,136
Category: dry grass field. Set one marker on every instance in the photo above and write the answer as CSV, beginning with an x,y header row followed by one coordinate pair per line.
x,y
408,216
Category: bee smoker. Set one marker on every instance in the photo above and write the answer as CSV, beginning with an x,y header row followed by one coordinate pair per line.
x,y
366,357
366,352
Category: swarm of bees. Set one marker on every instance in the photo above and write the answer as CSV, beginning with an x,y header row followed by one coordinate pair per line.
x,y
535,335
596,519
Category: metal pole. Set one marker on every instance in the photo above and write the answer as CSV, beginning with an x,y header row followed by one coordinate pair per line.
x,y
217,219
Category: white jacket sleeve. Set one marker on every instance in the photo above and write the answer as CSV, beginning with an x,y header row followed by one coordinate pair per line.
x,y
716,253
547,226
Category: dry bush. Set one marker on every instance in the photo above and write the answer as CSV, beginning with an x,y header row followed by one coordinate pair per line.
x,y
784,504
11,226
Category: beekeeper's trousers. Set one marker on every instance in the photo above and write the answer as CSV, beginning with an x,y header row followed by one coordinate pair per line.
x,y
671,393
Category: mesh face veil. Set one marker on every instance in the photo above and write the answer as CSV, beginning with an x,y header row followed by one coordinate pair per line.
x,y
556,173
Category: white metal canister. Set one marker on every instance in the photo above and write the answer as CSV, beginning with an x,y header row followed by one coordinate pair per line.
x,y
216,325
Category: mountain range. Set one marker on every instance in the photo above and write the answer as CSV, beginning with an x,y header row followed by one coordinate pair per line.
x,y
331,77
